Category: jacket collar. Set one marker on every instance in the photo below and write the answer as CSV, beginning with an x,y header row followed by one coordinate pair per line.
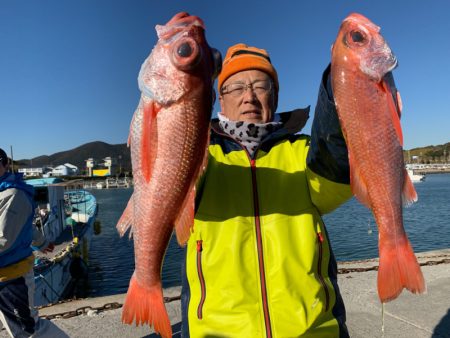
x,y
293,122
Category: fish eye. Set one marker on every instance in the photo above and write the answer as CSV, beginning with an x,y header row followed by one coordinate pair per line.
x,y
186,54
357,36
184,50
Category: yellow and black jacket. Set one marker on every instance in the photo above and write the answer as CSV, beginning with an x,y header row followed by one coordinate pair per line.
x,y
259,262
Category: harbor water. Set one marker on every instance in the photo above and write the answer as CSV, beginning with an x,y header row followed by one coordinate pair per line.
x,y
351,228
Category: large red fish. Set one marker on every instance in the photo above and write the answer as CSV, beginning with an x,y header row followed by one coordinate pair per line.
x,y
168,139
369,109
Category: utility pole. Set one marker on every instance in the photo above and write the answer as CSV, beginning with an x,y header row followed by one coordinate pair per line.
x,y
12,160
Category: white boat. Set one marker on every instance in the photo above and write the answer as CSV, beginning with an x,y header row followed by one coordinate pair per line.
x,y
66,215
415,177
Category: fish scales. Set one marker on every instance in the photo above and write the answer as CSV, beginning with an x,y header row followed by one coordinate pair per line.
x,y
177,149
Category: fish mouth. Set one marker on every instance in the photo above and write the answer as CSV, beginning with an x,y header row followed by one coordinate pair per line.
x,y
185,19
179,23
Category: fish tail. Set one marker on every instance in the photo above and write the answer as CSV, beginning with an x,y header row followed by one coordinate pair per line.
x,y
398,269
146,305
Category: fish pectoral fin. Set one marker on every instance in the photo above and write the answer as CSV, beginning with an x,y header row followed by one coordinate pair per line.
x,y
409,194
126,219
185,219
149,138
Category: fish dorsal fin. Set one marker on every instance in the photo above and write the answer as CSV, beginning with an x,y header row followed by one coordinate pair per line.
x,y
131,125
409,194
359,187
394,109
149,138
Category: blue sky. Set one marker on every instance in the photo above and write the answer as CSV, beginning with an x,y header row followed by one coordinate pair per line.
x,y
68,69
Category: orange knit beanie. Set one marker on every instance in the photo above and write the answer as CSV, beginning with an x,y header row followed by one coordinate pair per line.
x,y
242,57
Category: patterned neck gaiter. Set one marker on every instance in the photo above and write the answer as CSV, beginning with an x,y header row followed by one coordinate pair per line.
x,y
249,135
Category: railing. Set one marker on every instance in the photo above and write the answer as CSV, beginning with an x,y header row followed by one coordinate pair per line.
x,y
430,168
109,183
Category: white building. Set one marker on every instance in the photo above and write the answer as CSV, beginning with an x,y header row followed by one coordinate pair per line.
x,y
32,172
66,169
90,163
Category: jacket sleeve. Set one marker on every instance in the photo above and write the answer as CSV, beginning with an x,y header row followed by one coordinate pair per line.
x,y
327,160
14,212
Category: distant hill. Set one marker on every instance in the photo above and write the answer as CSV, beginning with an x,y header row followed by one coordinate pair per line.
x,y
429,154
96,150
99,150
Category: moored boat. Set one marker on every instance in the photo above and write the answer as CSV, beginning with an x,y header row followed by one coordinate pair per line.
x,y
65,214
415,177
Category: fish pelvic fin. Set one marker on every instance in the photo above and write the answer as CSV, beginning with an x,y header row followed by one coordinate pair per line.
x,y
359,187
409,194
145,305
126,219
149,138
185,219
398,269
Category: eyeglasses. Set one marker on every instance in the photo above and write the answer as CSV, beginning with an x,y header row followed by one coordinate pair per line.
x,y
237,89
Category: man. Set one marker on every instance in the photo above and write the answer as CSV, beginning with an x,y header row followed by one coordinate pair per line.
x,y
17,234
259,263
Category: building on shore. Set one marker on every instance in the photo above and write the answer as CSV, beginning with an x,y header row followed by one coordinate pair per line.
x,y
106,167
66,169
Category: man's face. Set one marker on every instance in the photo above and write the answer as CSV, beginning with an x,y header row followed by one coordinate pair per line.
x,y
256,104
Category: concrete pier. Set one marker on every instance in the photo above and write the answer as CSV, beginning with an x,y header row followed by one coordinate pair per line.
x,y
409,316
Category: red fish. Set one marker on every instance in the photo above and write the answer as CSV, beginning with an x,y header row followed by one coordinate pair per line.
x,y
369,108
168,138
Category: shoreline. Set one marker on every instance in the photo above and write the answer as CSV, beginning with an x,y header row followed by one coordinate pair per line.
x,y
408,316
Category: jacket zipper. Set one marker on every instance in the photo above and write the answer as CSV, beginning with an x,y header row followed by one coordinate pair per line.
x,y
260,252
262,274
201,278
319,270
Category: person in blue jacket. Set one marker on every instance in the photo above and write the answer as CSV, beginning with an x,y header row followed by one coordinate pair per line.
x,y
18,238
